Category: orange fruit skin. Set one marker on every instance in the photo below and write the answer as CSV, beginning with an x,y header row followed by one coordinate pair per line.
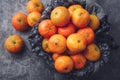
x,y
67,30
76,43
74,7
88,34
19,21
94,22
79,61
64,64
55,56
33,18
45,45
92,53
60,16
14,44
57,43
46,28
80,18
34,5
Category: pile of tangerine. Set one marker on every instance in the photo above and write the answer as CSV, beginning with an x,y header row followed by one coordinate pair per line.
x,y
69,37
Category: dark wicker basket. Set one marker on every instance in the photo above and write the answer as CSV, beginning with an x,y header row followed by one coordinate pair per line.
x,y
103,40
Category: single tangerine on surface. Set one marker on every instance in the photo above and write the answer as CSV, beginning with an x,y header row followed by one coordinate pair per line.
x,y
34,5
73,7
94,22
64,64
14,44
88,34
46,28
67,30
60,16
79,60
76,43
45,45
92,53
19,21
33,18
57,43
81,18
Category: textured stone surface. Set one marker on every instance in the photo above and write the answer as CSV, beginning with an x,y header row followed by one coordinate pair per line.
x,y
111,71
27,66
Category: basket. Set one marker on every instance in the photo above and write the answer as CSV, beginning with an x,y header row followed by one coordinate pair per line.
x,y
103,39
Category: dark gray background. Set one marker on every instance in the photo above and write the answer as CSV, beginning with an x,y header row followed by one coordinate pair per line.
x,y
27,66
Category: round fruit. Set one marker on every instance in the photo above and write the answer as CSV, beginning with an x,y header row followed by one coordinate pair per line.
x,y
92,52
33,18
67,30
60,16
80,18
47,28
79,61
34,5
74,7
94,22
19,21
88,34
64,64
45,45
14,43
55,56
76,43
57,43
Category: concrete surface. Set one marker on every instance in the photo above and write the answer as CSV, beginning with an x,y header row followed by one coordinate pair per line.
x,y
27,66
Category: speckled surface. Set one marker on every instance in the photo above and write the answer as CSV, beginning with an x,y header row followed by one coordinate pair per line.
x,y
27,66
